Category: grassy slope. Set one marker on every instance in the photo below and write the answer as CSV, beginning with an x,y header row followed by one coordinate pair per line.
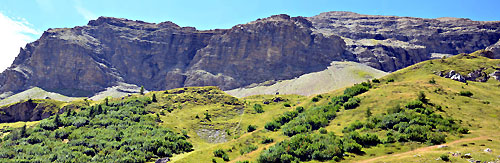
x,y
480,112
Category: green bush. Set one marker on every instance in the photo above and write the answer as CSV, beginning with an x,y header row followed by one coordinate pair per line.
x,y
323,131
219,153
414,104
445,157
356,89
287,105
375,80
299,109
267,140
248,149
272,126
258,108
339,100
225,157
251,128
465,93
315,99
304,147
463,130
352,103
390,80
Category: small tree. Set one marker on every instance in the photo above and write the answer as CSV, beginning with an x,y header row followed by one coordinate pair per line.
x,y
142,90
422,97
368,113
154,98
22,133
106,101
57,120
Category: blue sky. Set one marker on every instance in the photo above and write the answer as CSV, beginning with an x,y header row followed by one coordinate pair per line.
x,y
25,20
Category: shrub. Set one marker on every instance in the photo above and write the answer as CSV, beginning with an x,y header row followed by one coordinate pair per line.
x,y
272,126
352,103
315,99
463,130
154,98
421,97
287,105
352,147
219,153
375,80
390,80
248,149
323,131
48,125
339,100
225,157
267,140
251,128
435,138
356,90
258,108
299,109
444,157
432,81
465,93
414,104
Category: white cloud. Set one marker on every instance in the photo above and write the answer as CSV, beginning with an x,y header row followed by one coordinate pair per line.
x,y
84,12
14,34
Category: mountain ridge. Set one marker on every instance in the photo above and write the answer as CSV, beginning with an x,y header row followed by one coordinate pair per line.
x,y
84,60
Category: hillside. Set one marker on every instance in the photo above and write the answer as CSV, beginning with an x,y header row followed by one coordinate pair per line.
x,y
367,122
108,52
337,75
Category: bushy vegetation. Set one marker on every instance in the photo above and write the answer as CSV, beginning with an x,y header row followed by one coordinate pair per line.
x,y
276,124
305,147
310,120
465,93
302,121
416,122
258,108
121,132
251,128
248,149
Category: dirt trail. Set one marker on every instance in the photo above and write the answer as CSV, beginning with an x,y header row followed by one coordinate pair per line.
x,y
422,149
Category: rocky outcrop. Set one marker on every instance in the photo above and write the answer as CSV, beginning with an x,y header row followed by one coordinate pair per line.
x,y
478,75
495,49
416,37
24,111
84,60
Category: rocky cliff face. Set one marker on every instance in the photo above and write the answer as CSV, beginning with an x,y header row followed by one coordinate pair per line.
x,y
81,61
390,43
24,111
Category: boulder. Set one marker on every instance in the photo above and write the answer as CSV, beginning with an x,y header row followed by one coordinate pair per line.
x,y
496,75
458,77
163,160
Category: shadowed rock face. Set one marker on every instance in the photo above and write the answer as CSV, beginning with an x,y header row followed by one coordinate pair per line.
x,y
396,42
81,61
24,111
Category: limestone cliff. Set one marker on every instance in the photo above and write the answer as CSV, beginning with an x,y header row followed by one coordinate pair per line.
x,y
84,60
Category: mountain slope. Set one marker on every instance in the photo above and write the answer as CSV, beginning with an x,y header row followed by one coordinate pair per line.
x,y
221,127
84,60
338,75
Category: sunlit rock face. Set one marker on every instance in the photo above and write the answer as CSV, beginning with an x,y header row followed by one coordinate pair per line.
x,y
84,60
